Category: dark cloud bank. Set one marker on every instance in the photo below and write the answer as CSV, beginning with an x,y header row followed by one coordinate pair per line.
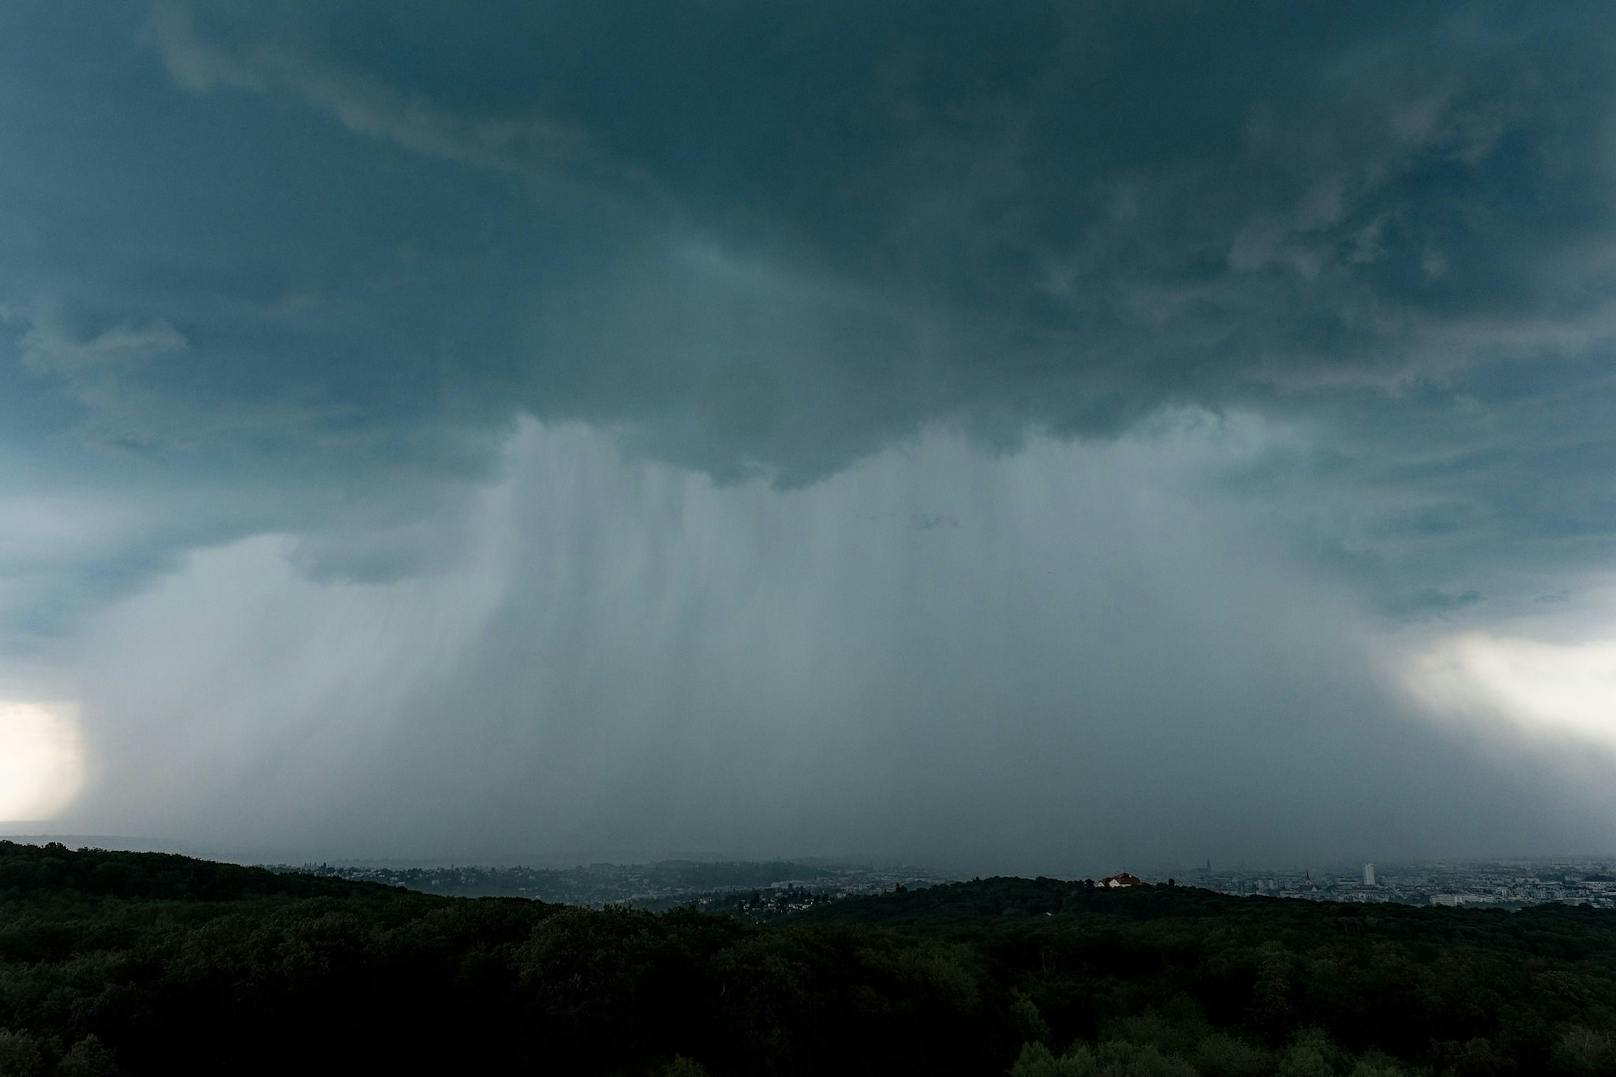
x,y
1026,440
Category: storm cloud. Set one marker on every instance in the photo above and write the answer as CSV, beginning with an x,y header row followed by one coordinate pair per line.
x,y
1025,439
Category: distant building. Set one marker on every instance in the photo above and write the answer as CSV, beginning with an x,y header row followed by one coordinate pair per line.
x,y
1369,875
1112,882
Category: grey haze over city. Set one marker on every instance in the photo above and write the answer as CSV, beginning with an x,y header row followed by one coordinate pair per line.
x,y
1033,437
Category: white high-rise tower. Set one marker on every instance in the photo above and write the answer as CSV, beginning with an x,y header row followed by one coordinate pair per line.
x,y
1369,875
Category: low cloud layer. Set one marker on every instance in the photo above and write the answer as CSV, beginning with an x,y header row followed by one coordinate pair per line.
x,y
1051,435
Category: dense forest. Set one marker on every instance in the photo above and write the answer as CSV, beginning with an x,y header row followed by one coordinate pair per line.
x,y
140,963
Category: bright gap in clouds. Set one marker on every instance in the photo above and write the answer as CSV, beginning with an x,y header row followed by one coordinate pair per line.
x,y
1539,688
41,762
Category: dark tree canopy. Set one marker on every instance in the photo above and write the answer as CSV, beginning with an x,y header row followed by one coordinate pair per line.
x,y
142,963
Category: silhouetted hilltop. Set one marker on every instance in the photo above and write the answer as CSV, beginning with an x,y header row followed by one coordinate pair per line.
x,y
54,868
1573,932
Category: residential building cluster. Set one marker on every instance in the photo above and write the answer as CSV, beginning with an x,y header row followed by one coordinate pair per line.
x,y
750,888
1504,884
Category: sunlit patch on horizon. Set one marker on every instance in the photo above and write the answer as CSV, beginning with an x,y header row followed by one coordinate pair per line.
x,y
1539,687
41,761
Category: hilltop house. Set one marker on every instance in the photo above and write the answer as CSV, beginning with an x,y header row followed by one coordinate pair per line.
x,y
1122,878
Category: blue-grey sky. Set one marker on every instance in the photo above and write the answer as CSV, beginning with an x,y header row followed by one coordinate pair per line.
x,y
1037,439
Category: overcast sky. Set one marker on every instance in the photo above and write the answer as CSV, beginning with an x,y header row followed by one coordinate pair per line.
x,y
1054,437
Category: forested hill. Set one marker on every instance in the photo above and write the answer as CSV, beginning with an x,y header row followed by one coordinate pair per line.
x,y
144,963
29,871
1574,932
